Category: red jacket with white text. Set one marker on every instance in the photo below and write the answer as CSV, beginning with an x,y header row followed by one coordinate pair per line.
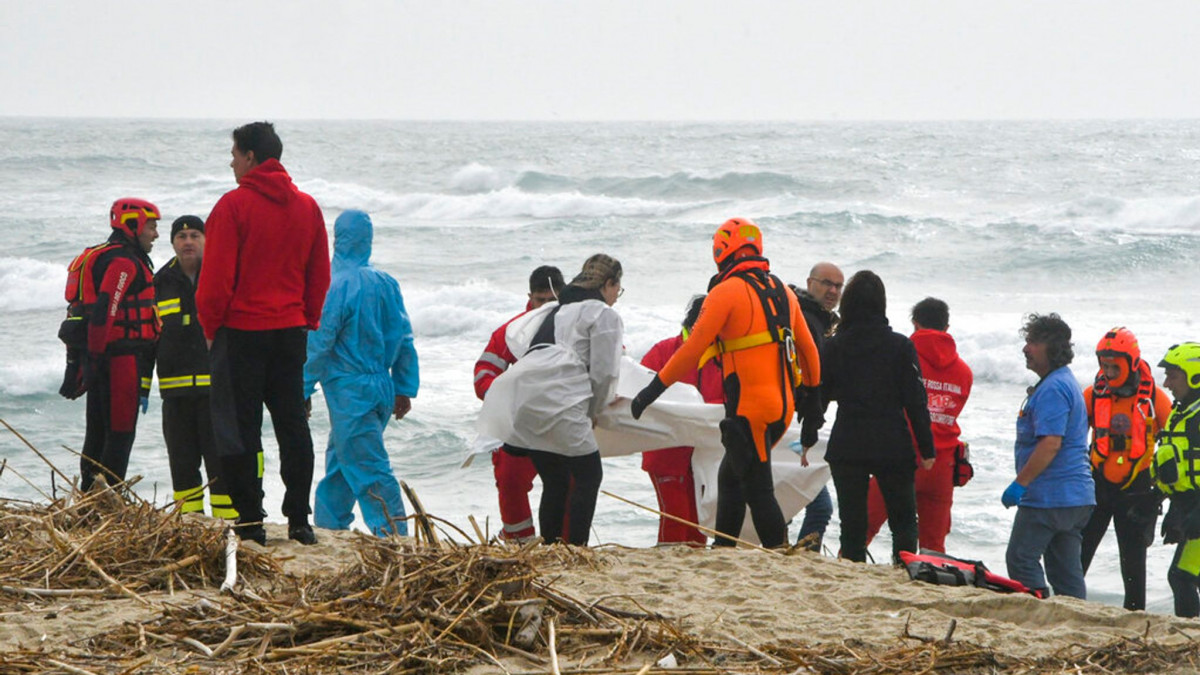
x,y
947,384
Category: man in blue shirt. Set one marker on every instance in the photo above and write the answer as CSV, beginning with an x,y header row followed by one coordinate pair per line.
x,y
1053,491
363,356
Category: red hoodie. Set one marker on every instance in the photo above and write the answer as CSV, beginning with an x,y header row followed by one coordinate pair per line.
x,y
947,384
266,256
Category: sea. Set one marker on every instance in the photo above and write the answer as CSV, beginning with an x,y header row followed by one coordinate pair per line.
x,y
1098,221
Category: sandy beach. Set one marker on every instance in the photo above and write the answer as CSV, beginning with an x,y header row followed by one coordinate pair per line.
x,y
747,599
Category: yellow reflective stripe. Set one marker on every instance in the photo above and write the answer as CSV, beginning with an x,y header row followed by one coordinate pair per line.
x,y
184,381
145,383
175,382
260,465
736,344
220,500
170,306
191,501
226,513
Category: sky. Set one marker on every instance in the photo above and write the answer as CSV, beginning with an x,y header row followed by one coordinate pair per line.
x,y
617,60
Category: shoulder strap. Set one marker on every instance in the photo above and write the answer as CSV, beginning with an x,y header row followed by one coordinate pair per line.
x,y
545,333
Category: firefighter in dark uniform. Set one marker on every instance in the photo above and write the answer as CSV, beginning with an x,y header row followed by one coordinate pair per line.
x,y
183,375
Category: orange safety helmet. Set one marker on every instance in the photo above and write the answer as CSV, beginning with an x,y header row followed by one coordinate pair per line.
x,y
1120,343
129,215
734,235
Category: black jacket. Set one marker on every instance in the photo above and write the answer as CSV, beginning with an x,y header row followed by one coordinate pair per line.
x,y
182,354
874,375
820,320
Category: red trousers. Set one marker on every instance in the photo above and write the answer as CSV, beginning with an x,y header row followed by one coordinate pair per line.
x,y
935,495
677,497
514,480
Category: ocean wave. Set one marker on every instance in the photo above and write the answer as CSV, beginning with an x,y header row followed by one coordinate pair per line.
x,y
473,309
27,284
678,185
1137,216
34,378
507,202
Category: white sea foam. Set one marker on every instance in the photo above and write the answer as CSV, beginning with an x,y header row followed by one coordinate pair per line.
x,y
476,177
31,284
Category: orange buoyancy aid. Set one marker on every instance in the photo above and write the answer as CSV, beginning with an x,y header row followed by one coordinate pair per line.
x,y
137,317
1123,428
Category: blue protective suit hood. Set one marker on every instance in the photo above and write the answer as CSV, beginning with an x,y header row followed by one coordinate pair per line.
x,y
352,235
363,356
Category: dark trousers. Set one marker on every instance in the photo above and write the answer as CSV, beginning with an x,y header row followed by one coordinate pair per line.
x,y
744,480
251,369
1133,516
852,480
188,432
112,412
569,487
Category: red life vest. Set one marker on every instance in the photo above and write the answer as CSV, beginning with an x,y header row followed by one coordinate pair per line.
x,y
1118,452
946,570
138,320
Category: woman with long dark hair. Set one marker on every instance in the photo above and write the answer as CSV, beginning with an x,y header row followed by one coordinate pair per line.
x,y
874,375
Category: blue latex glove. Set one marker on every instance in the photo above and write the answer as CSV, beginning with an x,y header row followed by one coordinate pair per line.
x,y
1013,494
796,446
145,404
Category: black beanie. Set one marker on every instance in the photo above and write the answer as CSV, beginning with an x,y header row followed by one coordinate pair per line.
x,y
186,223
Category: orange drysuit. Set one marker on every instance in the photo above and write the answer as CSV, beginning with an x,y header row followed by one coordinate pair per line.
x,y
757,387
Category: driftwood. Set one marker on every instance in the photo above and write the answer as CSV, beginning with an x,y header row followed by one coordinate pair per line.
x,y
404,606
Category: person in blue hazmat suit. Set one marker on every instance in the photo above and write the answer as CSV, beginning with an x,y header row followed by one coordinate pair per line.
x,y
364,358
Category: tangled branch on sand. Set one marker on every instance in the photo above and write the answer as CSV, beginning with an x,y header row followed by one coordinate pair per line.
x,y
403,606
109,542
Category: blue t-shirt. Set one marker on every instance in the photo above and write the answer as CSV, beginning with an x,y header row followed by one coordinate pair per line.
x,y
1056,408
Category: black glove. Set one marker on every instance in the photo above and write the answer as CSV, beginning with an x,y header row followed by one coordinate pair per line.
x,y
1172,525
646,396
74,382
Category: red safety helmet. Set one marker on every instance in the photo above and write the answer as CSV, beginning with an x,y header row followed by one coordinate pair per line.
x,y
129,215
1120,343
735,234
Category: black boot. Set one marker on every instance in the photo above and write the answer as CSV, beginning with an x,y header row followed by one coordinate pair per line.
x,y
302,532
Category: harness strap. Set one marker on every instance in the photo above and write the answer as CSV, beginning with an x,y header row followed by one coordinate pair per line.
x,y
720,347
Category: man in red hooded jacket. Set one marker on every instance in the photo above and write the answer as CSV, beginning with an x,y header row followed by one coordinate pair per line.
x,y
947,385
262,287
514,474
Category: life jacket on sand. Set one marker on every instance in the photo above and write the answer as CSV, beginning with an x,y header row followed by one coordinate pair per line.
x,y
945,570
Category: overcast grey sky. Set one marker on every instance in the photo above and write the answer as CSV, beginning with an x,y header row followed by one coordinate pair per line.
x,y
640,60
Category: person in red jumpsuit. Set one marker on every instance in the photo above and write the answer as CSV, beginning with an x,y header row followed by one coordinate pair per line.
x,y
514,473
947,385
115,293
670,469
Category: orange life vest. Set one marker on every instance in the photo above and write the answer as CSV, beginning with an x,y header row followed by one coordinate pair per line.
x,y
138,320
1118,451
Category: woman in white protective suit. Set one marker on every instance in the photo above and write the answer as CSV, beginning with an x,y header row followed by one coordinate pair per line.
x,y
569,356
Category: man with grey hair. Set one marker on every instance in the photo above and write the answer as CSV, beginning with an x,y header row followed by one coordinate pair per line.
x,y
1054,492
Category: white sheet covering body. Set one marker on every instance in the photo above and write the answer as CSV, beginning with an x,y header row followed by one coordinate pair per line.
x,y
681,417
548,399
